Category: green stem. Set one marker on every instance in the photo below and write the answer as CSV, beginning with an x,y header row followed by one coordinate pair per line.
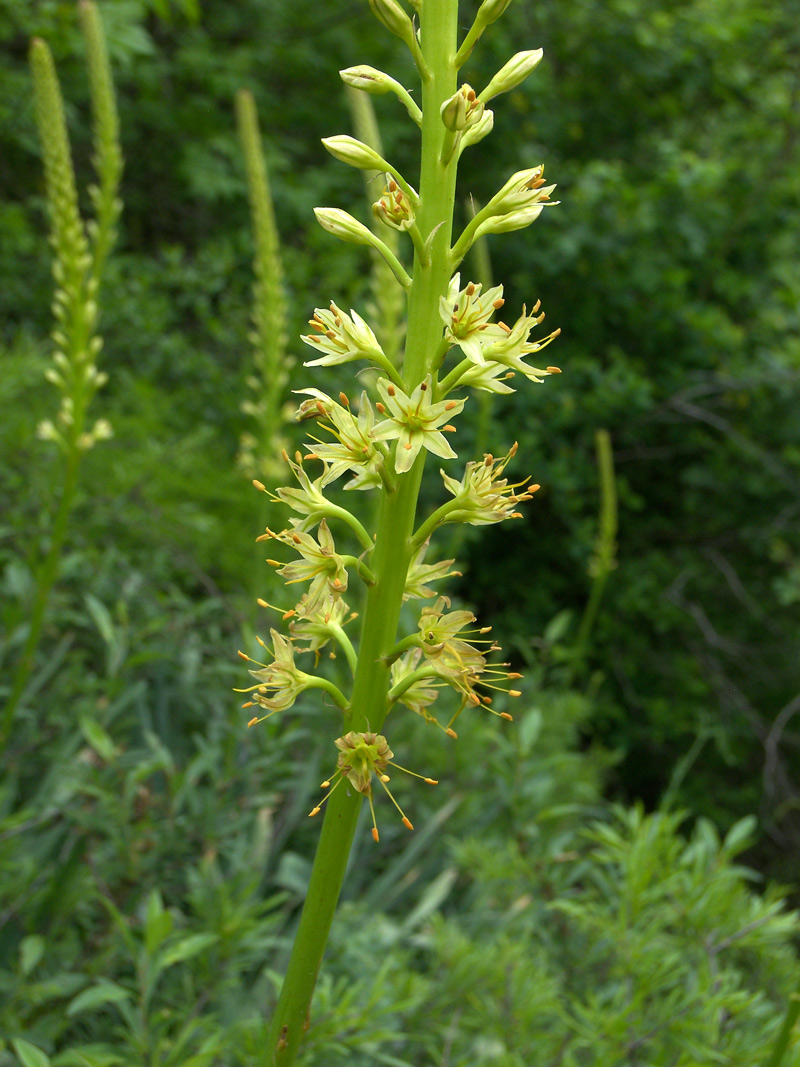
x,y
604,560
451,380
393,547
412,641
48,572
333,690
781,1046
346,645
419,675
422,534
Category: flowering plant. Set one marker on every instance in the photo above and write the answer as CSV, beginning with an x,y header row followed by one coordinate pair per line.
x,y
454,343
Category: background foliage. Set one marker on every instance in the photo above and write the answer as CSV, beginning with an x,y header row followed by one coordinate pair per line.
x,y
152,854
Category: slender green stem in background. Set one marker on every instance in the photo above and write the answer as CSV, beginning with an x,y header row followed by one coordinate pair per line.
x,y
77,268
603,561
392,552
781,1046
45,580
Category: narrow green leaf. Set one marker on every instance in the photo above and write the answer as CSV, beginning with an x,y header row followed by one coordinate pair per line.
x,y
186,948
31,950
97,995
29,1055
97,738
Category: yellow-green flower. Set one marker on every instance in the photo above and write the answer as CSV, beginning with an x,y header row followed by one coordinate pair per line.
x,y
362,755
320,563
419,573
483,496
354,448
466,313
278,683
508,345
415,421
340,338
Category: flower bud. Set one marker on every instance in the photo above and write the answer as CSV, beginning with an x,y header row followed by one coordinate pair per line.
x,y
355,153
343,225
391,14
102,430
368,79
512,74
482,128
490,11
514,220
394,208
463,109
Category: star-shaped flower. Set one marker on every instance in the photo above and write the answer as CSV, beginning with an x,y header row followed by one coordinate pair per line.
x,y
340,337
415,421
320,563
419,573
466,313
308,500
354,448
278,684
483,496
362,755
508,345
318,622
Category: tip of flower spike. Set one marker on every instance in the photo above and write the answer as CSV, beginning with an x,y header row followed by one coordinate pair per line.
x,y
407,823
451,732
252,722
375,835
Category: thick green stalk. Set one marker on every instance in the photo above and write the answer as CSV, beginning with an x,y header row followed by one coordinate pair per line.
x,y
392,552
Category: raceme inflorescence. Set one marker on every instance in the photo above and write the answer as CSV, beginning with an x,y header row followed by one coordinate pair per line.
x,y
374,440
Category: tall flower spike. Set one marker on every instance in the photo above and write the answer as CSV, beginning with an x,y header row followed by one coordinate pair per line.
x,y
362,755
466,313
415,421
